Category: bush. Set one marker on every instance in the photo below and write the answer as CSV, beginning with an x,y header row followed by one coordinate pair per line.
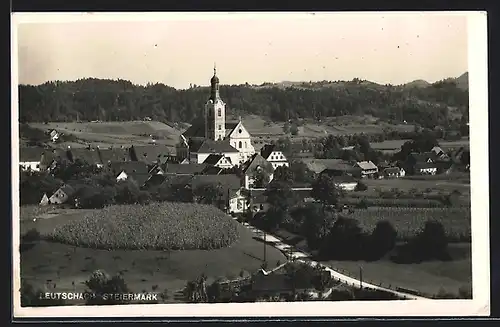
x,y
361,187
100,283
157,226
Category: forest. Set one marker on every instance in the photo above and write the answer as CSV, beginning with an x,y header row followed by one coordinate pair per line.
x,y
119,100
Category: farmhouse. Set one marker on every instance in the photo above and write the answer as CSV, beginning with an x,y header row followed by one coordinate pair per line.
x,y
425,168
219,160
136,170
271,153
421,163
151,153
230,139
368,168
257,169
336,167
30,158
393,172
62,195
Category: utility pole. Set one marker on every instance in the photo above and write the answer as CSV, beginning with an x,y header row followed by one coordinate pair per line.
x,y
360,277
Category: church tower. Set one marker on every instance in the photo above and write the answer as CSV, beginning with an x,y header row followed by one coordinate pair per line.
x,y
215,112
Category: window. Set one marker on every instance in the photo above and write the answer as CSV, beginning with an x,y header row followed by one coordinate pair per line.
x,y
239,131
239,144
219,112
281,156
245,144
220,127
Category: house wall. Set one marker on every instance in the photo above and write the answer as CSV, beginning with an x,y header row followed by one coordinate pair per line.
x,y
224,164
428,171
59,197
238,204
30,165
347,186
123,176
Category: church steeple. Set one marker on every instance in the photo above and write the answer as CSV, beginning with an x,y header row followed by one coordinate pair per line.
x,y
214,90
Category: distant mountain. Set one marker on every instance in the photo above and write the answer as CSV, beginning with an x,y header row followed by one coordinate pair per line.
x,y
417,83
462,81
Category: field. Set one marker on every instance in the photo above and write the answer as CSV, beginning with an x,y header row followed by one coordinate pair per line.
x,y
105,134
65,267
395,145
436,184
409,221
157,226
449,276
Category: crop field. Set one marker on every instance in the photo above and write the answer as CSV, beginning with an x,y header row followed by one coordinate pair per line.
x,y
395,145
64,267
408,222
406,184
157,226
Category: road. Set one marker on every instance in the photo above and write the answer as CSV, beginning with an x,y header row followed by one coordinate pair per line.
x,y
293,253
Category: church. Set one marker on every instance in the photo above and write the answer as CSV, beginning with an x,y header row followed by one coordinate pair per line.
x,y
213,135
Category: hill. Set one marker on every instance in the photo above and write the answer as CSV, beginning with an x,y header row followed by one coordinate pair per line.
x,y
117,100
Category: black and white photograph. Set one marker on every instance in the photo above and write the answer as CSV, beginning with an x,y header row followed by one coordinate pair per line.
x,y
227,164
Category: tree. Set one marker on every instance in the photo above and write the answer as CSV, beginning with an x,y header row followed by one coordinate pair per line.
x,y
326,191
346,240
283,174
261,179
209,193
280,195
294,130
382,239
100,284
316,225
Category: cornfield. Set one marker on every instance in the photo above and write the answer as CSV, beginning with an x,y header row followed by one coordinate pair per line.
x,y
157,226
410,221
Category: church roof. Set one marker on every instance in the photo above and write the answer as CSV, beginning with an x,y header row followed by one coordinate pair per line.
x,y
213,159
209,146
197,129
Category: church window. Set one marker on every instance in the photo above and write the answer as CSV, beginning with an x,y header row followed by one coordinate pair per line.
x,y
219,112
239,144
245,144
239,131
220,127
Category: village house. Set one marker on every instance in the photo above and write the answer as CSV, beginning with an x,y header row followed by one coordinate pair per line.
x,y
54,135
62,195
421,163
368,168
255,168
182,169
213,135
342,180
219,160
439,153
30,158
393,172
271,153
232,200
152,154
338,167
425,168
134,170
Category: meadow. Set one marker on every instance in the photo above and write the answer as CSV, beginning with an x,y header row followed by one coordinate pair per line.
x,y
63,267
408,222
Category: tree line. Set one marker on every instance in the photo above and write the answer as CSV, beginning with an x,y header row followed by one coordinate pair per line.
x,y
120,100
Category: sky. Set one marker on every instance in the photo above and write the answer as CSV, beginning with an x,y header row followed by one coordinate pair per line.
x,y
179,49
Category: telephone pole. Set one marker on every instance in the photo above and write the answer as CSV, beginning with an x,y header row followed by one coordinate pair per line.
x,y
360,277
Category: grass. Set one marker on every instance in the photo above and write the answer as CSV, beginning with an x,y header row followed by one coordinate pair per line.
x,y
106,134
158,226
410,221
427,277
63,267
405,184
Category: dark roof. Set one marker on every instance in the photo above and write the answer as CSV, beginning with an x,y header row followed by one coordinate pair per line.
x,y
183,169
30,154
228,181
197,129
257,162
266,150
212,170
91,156
344,179
67,189
140,179
155,180
209,146
114,154
213,159
130,167
177,179
424,165
153,153
421,157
